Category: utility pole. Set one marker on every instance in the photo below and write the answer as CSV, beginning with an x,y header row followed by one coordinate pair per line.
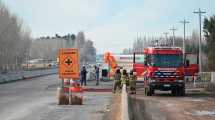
x,y
173,35
184,22
166,33
200,12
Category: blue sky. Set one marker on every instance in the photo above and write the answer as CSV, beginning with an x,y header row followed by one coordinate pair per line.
x,y
111,24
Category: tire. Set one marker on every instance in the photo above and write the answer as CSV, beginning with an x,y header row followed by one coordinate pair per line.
x,y
149,93
179,91
182,91
152,91
174,92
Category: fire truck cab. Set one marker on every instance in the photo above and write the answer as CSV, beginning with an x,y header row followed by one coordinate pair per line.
x,y
163,69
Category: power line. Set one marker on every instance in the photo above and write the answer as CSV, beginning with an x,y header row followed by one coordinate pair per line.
x,y
184,22
173,29
200,12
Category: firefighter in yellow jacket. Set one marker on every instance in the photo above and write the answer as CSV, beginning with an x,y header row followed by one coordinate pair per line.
x,y
117,80
132,82
124,78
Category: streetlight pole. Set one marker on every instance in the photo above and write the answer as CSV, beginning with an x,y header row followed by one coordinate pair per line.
x,y
184,22
166,33
200,12
173,35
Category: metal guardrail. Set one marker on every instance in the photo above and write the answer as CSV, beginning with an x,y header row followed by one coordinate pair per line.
x,y
19,75
201,81
213,77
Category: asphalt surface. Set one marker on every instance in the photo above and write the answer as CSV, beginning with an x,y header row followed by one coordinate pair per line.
x,y
35,99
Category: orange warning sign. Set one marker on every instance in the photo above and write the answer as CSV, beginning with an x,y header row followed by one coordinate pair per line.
x,y
68,64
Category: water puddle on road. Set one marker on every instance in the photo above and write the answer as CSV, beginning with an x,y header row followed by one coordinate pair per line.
x,y
204,113
194,99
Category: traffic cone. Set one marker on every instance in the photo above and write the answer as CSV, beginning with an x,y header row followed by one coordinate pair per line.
x,y
75,100
77,95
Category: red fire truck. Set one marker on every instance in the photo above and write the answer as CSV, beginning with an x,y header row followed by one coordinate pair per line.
x,y
163,68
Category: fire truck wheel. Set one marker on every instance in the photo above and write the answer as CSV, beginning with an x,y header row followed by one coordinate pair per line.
x,y
182,91
152,91
149,93
178,92
174,92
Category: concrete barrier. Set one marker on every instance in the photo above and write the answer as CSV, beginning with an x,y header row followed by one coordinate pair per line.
x,y
20,75
147,109
124,102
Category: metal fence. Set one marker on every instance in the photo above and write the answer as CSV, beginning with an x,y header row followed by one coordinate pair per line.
x,y
201,80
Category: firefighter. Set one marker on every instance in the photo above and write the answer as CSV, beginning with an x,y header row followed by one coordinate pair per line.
x,y
132,82
97,74
117,80
83,76
124,78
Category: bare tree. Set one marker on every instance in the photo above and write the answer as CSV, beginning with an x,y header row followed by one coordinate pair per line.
x,y
48,48
14,40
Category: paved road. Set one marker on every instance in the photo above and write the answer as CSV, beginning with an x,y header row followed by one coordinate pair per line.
x,y
35,99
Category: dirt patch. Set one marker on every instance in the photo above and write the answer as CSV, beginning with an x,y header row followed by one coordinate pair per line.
x,y
194,106
189,108
115,108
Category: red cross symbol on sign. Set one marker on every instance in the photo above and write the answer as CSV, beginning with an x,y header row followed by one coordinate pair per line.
x,y
68,62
